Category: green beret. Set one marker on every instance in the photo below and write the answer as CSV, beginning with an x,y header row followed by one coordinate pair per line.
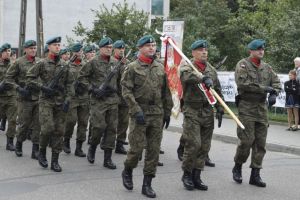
x,y
46,50
53,40
88,48
4,47
119,44
199,44
144,40
105,41
256,44
29,43
76,47
63,51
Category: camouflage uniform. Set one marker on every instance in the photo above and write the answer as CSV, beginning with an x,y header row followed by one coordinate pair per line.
x,y
198,114
251,82
144,87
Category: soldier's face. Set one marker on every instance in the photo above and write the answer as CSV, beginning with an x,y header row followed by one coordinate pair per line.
x,y
148,49
259,53
78,54
66,56
200,54
6,54
106,50
54,48
31,51
119,52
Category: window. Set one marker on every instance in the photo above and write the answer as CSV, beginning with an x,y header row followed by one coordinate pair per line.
x,y
157,7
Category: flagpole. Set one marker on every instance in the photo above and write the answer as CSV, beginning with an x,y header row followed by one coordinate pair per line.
x,y
194,68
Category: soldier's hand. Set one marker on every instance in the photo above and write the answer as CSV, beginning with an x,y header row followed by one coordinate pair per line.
x,y
167,120
139,117
272,99
48,91
219,115
23,92
65,106
208,82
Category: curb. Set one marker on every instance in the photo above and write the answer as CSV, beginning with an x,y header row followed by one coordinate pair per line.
x,y
234,140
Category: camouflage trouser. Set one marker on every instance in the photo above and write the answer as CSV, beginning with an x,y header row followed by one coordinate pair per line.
x,y
28,118
79,114
254,136
152,133
52,120
8,109
123,119
197,135
103,119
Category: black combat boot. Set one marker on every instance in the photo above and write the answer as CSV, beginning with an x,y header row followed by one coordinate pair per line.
x,y
54,162
187,180
120,148
237,173
42,158
255,178
35,151
198,184
108,163
3,125
209,163
10,144
78,150
160,164
91,154
18,150
180,151
67,148
127,178
161,152
147,189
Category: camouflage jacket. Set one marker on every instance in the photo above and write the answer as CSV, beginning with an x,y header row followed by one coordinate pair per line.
x,y
94,73
251,84
43,72
4,65
16,74
145,88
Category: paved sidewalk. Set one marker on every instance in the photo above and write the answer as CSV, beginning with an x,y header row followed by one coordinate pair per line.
x,y
278,138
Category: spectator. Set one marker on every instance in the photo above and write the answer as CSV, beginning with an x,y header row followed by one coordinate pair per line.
x,y
297,69
291,88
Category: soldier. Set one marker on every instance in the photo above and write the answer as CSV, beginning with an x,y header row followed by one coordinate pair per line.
x,y
65,54
123,117
8,105
28,107
198,123
53,78
255,79
145,89
89,52
103,102
79,106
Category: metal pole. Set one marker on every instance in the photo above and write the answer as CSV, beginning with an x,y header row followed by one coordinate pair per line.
x,y
39,28
22,30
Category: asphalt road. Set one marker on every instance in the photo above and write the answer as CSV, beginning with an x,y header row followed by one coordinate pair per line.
x,y
22,178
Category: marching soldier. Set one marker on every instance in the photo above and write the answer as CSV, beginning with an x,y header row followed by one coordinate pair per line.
x,y
198,123
145,89
65,54
28,108
8,105
103,102
53,78
255,79
79,106
89,52
123,118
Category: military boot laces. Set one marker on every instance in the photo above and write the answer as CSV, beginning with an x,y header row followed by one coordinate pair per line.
x,y
147,189
42,158
187,180
120,148
54,163
35,151
255,178
237,173
198,183
10,144
78,150
18,150
67,148
108,163
127,179
180,150
91,154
